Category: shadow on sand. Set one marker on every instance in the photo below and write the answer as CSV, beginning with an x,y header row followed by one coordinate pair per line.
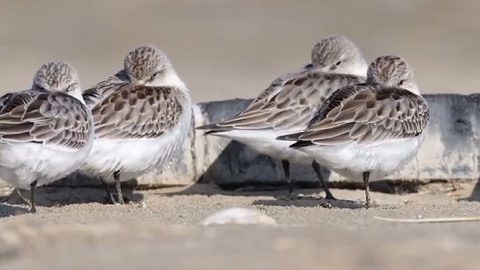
x,y
60,196
474,196
311,202
268,196
7,210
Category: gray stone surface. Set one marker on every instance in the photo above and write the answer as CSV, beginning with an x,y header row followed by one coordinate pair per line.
x,y
450,152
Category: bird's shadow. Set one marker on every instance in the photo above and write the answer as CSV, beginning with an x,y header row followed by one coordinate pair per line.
x,y
7,210
247,190
62,196
278,196
474,196
311,202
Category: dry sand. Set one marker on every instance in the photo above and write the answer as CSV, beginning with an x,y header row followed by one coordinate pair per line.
x,y
159,230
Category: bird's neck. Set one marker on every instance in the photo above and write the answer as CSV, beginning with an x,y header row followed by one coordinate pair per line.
x,y
78,95
359,69
170,79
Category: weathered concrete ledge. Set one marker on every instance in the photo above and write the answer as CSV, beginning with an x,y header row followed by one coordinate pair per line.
x,y
450,152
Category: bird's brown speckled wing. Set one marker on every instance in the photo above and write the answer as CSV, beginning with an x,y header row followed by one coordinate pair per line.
x,y
137,112
98,92
288,102
55,119
367,114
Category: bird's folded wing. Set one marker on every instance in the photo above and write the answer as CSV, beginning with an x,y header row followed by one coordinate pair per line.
x,y
288,102
9,100
368,114
99,91
54,119
137,112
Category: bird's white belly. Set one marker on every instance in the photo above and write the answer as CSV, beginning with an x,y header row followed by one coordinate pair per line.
x,y
352,159
265,142
134,157
22,164
131,157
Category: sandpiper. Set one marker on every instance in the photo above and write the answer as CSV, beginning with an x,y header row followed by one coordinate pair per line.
x,y
142,114
46,132
367,131
288,103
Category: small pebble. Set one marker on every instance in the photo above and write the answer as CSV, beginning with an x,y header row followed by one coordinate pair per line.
x,y
238,215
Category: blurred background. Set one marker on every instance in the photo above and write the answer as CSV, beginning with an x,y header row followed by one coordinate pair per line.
x,y
225,48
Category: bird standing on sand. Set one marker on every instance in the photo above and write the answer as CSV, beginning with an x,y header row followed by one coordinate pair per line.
x,y
288,103
45,132
142,114
368,131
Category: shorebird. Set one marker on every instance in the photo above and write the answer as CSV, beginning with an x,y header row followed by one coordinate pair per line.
x,y
45,132
142,114
370,130
288,103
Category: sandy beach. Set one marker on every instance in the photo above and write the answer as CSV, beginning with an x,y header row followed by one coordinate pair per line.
x,y
161,229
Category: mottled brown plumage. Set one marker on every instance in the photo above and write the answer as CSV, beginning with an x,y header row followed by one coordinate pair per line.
x,y
290,100
56,76
125,106
367,131
368,114
47,118
392,70
289,103
335,53
142,115
45,132
137,112
49,113
103,89
145,63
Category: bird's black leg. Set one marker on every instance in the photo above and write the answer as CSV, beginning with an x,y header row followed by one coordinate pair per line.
x,y
366,177
316,168
286,170
33,186
118,185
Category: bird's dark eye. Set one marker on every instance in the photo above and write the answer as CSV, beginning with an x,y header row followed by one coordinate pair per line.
x,y
156,75
401,82
70,88
40,88
338,63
